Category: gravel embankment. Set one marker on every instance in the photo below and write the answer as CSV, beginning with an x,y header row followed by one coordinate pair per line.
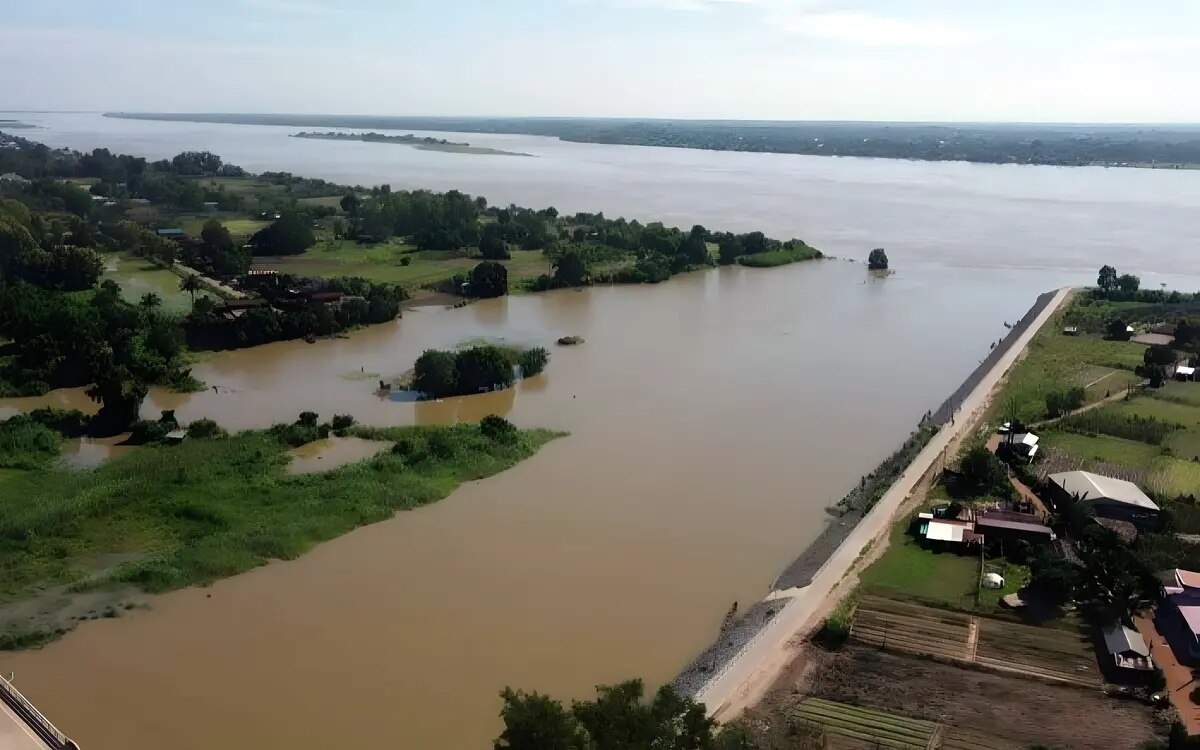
x,y
699,672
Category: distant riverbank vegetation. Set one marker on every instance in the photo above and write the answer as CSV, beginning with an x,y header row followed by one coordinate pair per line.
x,y
1164,146
486,367
425,143
175,516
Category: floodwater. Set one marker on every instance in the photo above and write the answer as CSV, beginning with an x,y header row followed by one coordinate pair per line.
x,y
711,420
332,453
138,277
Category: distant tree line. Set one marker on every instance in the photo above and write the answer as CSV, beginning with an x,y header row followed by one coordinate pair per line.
x,y
1068,145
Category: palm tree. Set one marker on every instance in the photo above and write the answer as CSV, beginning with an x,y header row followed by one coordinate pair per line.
x,y
191,285
150,301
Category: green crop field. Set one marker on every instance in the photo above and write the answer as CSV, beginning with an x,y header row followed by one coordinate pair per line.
x,y
865,727
1173,477
1185,444
1103,448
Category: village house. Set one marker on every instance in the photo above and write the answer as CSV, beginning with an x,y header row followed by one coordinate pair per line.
x,y
1108,497
171,233
1178,614
1184,372
1023,444
1001,526
12,178
1128,655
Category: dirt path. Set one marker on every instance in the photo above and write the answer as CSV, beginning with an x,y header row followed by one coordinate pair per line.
x,y
748,677
1119,396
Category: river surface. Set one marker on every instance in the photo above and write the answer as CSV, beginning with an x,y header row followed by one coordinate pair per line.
x,y
711,420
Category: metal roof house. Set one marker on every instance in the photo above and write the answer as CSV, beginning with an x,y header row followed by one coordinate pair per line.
x,y
1127,648
1183,372
1002,525
1178,614
1109,497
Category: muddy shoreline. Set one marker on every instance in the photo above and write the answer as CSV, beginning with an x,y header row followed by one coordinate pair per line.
x,y
801,571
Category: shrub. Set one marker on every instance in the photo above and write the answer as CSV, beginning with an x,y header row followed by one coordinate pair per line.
x,y
412,448
146,431
1059,403
342,422
204,428
66,422
495,427
533,361
443,443
307,418
27,444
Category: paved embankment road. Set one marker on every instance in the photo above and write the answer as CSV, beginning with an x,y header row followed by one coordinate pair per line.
x,y
748,677
15,734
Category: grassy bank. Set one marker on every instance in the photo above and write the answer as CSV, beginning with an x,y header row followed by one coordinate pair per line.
x,y
209,509
780,257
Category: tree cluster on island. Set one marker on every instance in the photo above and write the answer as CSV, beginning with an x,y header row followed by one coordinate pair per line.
x,y
877,260
439,373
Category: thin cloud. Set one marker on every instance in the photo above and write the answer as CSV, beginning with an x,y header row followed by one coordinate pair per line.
x,y
852,27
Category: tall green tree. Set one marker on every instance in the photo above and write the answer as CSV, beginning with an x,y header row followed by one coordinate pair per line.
x,y
489,279
1107,278
191,284
436,373
570,269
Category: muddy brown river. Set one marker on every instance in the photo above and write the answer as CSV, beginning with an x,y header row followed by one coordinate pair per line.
x,y
712,418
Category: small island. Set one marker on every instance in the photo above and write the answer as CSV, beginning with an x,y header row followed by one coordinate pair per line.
x,y
486,367
424,143
877,260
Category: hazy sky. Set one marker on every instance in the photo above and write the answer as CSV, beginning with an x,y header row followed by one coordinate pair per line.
x,y
1028,60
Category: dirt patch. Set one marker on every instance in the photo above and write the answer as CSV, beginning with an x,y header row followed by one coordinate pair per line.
x,y
1021,711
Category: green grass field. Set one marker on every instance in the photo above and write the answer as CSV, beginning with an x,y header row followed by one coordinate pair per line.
x,y
1160,409
1102,448
382,262
1056,362
208,509
329,201
239,227
908,569
1185,444
780,257
1184,393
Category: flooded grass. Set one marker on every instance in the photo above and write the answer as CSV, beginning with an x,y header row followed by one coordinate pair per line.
x,y
208,509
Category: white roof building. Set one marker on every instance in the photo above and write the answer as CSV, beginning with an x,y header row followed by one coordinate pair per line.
x,y
1097,488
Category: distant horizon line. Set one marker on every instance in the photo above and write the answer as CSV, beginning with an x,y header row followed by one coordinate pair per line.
x,y
625,118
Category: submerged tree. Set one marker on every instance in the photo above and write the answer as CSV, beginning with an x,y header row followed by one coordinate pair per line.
x,y
877,260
